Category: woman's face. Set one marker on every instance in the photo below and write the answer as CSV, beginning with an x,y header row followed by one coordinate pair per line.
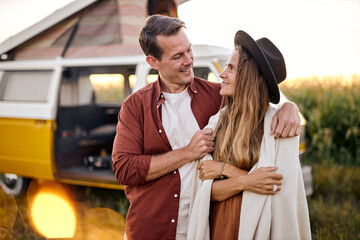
x,y
229,75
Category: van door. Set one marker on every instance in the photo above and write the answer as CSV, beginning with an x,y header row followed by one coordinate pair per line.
x,y
27,113
89,102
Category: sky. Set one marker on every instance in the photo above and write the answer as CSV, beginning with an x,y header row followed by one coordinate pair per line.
x,y
316,37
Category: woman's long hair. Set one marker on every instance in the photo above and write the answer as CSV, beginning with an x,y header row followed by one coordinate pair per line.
x,y
240,128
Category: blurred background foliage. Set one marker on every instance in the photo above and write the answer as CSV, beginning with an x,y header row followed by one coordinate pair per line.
x,y
331,106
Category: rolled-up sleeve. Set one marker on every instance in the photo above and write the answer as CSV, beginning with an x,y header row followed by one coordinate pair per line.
x,y
130,165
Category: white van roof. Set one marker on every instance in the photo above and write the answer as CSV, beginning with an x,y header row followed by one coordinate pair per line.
x,y
44,24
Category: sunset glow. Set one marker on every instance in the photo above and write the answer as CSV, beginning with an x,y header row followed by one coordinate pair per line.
x,y
52,216
107,79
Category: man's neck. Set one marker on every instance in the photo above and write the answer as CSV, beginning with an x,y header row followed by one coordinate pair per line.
x,y
173,88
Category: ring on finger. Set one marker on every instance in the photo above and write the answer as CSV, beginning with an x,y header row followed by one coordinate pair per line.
x,y
274,188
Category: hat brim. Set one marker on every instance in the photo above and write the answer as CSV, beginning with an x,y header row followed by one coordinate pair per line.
x,y
245,40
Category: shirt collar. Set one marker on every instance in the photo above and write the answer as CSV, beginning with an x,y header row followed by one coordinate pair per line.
x,y
191,89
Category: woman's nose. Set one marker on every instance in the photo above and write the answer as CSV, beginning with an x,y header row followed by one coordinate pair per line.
x,y
222,74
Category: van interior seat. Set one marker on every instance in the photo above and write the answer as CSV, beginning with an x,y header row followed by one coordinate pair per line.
x,y
83,125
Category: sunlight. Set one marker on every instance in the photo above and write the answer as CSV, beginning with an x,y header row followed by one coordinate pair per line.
x,y
107,80
51,211
212,77
151,78
53,216
132,80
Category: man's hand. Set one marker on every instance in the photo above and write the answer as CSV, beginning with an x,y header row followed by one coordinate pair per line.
x,y
286,122
201,143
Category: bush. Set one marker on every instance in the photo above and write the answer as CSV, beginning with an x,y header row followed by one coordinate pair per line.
x,y
335,205
331,107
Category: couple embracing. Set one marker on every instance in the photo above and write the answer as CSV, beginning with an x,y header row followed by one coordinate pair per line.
x,y
248,183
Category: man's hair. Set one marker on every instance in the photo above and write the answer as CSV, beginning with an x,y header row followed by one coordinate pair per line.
x,y
157,25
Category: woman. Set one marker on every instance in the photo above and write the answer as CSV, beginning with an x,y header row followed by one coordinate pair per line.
x,y
251,206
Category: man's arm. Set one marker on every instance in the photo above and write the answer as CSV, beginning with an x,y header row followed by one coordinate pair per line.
x,y
286,122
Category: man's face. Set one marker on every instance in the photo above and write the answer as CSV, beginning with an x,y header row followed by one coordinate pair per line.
x,y
176,64
229,75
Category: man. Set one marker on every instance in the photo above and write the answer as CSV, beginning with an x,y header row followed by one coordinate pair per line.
x,y
159,137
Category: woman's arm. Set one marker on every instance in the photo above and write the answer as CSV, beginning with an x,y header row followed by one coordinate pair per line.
x,y
260,181
210,169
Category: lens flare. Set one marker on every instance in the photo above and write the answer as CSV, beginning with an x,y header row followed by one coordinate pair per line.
x,y
52,214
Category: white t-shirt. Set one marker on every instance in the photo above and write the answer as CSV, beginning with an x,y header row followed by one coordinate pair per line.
x,y
180,126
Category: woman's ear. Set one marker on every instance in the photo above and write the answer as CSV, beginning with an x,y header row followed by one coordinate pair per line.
x,y
152,61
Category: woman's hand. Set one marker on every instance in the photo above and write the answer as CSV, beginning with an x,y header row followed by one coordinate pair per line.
x,y
209,169
262,181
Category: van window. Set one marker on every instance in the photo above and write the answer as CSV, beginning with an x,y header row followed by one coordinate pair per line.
x,y
88,85
205,73
25,86
152,77
108,87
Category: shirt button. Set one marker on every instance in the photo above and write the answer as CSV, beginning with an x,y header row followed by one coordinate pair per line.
x,y
175,195
195,91
160,131
157,106
172,220
174,172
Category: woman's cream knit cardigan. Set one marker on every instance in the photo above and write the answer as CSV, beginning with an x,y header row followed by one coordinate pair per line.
x,y
281,216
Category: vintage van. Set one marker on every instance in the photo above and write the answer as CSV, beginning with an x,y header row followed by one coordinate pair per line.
x,y
58,117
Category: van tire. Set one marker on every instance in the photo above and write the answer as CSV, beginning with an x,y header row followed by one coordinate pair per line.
x,y
13,184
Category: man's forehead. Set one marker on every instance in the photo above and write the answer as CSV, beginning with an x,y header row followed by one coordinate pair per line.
x,y
174,44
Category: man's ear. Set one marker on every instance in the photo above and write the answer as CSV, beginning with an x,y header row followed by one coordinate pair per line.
x,y
152,61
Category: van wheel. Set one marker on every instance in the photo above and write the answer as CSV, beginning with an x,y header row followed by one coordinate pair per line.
x,y
12,184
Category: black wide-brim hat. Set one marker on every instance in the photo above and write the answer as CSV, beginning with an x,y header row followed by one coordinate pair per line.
x,y
269,59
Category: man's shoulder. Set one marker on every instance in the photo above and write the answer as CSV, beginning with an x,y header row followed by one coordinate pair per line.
x,y
141,95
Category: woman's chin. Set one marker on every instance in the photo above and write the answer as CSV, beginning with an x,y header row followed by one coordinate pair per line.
x,y
225,93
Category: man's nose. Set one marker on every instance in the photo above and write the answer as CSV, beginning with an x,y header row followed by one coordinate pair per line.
x,y
188,59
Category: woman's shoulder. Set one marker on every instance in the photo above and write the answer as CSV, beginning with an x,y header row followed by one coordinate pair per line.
x,y
214,120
